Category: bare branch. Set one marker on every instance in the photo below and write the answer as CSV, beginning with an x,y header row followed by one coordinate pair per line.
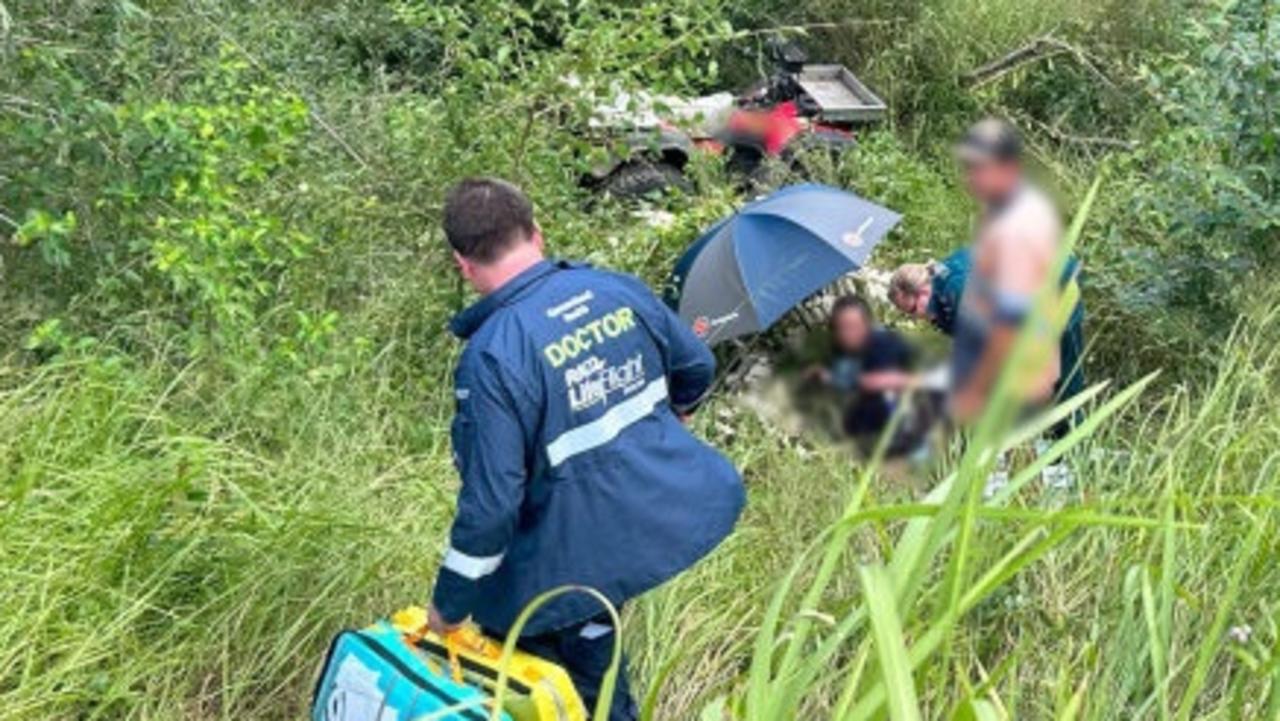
x,y
1061,136
1034,51
1091,144
1121,143
1038,49
806,27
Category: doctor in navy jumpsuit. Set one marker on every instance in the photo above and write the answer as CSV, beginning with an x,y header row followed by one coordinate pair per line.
x,y
576,466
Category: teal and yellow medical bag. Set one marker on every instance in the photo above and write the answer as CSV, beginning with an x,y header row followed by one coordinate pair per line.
x,y
397,671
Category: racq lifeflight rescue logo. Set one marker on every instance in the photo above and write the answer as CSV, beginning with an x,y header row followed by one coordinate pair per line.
x,y
595,381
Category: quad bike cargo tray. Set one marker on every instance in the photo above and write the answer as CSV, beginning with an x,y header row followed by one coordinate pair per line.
x,y
840,96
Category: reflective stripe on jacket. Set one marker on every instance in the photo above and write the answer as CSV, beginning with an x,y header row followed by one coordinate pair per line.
x,y
575,466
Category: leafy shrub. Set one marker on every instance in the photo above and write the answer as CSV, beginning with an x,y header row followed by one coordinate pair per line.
x,y
190,236
197,164
1217,175
232,292
1193,227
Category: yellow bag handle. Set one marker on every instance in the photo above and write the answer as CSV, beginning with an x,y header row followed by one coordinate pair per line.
x,y
466,637
469,638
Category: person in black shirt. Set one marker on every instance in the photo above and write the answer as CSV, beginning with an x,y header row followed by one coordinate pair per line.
x,y
870,366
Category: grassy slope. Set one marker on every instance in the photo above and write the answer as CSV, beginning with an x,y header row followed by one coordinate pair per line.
x,y
154,570
179,541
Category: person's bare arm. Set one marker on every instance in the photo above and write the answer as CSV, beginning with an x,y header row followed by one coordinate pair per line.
x,y
886,381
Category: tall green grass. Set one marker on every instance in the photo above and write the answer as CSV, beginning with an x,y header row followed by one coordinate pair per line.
x,y
173,552
1027,606
158,563
1110,602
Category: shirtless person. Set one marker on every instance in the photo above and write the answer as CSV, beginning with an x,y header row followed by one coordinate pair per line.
x,y
1013,256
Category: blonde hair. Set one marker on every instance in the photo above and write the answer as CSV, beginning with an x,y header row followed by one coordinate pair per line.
x,y
909,279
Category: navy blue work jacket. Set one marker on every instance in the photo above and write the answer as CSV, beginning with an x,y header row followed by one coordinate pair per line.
x,y
575,466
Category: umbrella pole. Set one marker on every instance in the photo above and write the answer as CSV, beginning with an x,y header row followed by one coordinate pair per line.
x,y
742,351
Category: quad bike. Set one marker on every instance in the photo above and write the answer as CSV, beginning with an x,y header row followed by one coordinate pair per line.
x,y
654,137
798,107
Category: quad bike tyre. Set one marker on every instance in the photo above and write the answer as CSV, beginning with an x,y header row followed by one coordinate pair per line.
x,y
759,172
641,179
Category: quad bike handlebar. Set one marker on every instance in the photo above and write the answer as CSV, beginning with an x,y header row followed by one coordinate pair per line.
x,y
783,83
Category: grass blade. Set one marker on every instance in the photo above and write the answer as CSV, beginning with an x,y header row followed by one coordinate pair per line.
x,y
895,669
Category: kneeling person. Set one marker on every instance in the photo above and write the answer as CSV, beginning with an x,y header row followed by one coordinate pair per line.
x,y
575,465
869,364
933,292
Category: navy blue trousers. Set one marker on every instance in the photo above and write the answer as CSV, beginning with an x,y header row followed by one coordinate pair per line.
x,y
584,650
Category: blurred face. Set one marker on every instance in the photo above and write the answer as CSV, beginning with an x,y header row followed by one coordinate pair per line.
x,y
851,330
913,304
991,180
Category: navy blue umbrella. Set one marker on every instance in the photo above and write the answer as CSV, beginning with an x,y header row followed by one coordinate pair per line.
x,y
751,268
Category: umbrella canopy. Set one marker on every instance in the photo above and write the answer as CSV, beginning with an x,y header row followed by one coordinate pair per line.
x,y
749,269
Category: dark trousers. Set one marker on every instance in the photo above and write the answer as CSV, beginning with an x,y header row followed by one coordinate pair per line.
x,y
1071,379
584,650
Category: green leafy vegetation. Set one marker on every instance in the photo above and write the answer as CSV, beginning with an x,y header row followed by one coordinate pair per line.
x,y
225,378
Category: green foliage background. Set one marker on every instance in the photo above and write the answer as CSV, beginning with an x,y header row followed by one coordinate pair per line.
x,y
224,376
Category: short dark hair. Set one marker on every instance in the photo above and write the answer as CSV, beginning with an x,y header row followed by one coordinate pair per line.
x,y
483,217
851,302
